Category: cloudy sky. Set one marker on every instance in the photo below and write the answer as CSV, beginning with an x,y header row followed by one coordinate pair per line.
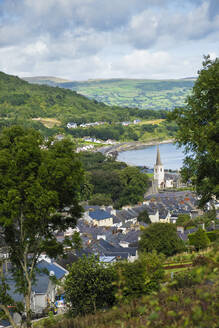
x,y
83,39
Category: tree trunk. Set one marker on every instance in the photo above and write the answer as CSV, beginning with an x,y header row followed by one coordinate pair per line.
x,y
28,306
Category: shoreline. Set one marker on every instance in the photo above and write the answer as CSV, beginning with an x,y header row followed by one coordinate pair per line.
x,y
132,145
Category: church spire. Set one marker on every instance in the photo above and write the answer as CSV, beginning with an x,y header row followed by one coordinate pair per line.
x,y
158,161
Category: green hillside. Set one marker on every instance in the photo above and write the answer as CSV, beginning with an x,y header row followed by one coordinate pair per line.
x,y
48,109
145,94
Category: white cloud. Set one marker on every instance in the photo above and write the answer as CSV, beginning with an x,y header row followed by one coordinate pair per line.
x,y
82,39
38,48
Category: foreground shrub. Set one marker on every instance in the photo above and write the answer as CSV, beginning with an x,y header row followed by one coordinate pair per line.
x,y
88,286
200,260
193,307
184,279
140,277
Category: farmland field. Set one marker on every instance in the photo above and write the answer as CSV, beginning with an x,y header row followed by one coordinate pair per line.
x,y
145,94
136,93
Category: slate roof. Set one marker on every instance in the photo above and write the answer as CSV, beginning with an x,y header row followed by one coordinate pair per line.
x,y
58,270
100,215
42,280
107,259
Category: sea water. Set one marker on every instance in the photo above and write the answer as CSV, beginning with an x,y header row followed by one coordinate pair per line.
x,y
171,156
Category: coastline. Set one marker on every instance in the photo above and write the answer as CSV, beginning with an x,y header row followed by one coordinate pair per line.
x,y
132,145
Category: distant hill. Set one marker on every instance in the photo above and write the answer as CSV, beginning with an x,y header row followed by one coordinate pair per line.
x,y
43,107
145,94
50,80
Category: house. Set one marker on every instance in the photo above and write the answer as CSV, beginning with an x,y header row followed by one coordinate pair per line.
x,y
107,249
153,215
44,288
126,123
136,121
71,125
99,217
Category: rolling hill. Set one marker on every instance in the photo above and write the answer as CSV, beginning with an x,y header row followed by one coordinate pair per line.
x,y
144,94
48,109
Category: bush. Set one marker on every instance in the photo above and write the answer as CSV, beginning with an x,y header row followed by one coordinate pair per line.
x,y
184,279
200,260
140,277
199,239
88,286
213,235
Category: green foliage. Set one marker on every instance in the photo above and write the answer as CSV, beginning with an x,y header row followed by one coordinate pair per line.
x,y
183,219
116,182
134,185
37,181
144,217
199,239
140,277
161,237
198,124
22,102
88,286
189,301
213,235
184,279
76,240
100,199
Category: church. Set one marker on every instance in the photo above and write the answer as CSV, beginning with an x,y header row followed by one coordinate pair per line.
x,y
163,180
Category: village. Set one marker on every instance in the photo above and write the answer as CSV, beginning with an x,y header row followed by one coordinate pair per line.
x,y
111,235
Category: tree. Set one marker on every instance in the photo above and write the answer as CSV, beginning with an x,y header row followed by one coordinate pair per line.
x,y
144,217
89,286
199,239
139,277
134,185
183,219
198,130
40,187
100,199
161,237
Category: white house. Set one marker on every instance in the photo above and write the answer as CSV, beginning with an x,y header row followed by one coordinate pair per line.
x,y
71,125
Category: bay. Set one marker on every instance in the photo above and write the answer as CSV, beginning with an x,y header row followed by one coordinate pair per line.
x,y
171,156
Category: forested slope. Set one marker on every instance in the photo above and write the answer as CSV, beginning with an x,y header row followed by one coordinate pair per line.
x,y
48,109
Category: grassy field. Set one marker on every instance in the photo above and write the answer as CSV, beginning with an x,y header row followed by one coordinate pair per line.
x,y
48,122
153,122
146,94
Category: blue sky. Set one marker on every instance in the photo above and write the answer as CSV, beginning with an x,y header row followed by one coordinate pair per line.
x,y
85,39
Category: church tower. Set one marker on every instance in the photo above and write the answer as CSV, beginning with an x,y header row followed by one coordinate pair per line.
x,y
159,171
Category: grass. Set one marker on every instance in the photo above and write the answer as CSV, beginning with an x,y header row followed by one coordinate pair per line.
x,y
48,122
167,271
153,122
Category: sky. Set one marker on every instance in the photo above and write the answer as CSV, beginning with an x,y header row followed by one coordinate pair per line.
x,y
90,39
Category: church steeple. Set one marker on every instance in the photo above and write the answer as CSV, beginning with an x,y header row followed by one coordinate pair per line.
x,y
158,161
159,171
